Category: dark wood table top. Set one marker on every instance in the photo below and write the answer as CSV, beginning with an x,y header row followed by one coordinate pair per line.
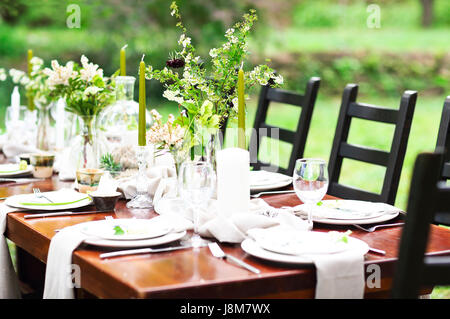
x,y
196,273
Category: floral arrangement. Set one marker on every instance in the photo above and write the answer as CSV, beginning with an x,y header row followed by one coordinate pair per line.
x,y
35,84
166,137
86,90
207,92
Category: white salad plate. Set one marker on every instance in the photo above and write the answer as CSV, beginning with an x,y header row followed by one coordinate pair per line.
x,y
304,251
64,199
126,229
168,238
349,212
12,170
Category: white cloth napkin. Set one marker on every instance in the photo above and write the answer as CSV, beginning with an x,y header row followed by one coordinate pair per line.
x,y
340,275
9,284
59,272
231,229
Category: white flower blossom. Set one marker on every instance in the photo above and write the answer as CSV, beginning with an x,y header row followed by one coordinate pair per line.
x,y
213,53
89,69
173,96
184,40
2,74
16,75
91,90
59,75
278,79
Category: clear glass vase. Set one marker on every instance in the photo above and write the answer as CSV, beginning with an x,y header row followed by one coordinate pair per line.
x,y
88,145
44,129
119,121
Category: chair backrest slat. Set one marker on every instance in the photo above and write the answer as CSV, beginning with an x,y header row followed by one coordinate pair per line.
x,y
364,154
297,138
443,139
426,197
392,160
372,113
347,192
283,96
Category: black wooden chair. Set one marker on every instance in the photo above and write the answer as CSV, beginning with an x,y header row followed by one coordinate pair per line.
x,y
392,160
427,196
443,142
443,139
298,139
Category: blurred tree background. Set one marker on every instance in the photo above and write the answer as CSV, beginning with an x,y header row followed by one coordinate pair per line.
x,y
333,39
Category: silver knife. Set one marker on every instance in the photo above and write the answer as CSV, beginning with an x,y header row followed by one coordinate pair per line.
x,y
65,214
216,251
142,251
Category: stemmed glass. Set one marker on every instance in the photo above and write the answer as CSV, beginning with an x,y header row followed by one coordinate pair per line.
x,y
310,182
196,183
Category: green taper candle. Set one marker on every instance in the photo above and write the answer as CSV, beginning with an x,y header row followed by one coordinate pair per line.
x,y
123,61
142,106
30,68
241,110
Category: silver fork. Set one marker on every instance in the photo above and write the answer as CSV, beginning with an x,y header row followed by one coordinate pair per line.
x,y
373,228
271,192
38,194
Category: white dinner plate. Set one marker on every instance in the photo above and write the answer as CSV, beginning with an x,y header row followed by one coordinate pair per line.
x,y
12,170
168,238
349,212
252,248
126,229
64,199
263,181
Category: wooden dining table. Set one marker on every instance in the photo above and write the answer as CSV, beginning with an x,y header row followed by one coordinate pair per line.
x,y
190,273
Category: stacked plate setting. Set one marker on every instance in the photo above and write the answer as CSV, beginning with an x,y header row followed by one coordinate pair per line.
x,y
263,181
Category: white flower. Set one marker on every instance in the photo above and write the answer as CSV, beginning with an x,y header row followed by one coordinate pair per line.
x,y
91,90
59,75
2,74
278,79
173,96
235,104
16,75
184,40
36,61
229,32
24,80
213,53
155,114
89,70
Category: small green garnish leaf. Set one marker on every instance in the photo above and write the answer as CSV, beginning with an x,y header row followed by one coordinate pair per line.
x,y
340,237
118,230
320,203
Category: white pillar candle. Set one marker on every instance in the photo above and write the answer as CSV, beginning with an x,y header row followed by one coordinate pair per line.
x,y
60,117
233,181
15,104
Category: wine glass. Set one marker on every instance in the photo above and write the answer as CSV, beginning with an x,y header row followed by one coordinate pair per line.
x,y
196,185
310,182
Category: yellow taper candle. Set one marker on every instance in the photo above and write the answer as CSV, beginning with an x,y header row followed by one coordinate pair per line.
x,y
30,68
142,106
241,110
123,61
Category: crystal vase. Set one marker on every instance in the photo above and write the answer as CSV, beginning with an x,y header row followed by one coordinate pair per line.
x,y
88,145
44,130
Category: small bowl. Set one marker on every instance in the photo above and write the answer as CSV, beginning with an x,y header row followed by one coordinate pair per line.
x,y
88,179
105,201
25,157
42,164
